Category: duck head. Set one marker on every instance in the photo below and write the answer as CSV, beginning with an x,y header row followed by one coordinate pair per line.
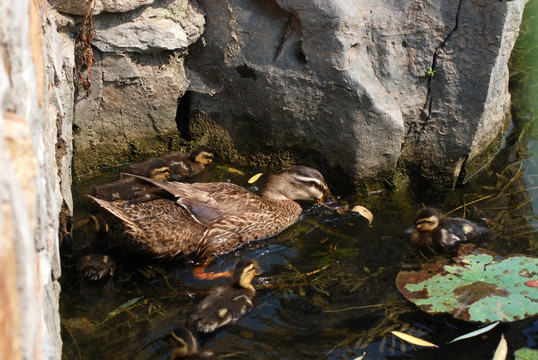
x,y
184,343
297,183
202,155
243,273
427,219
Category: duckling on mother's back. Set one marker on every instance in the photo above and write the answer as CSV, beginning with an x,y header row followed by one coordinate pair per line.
x,y
433,229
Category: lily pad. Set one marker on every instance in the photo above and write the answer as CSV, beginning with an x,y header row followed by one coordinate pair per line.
x,y
476,287
526,354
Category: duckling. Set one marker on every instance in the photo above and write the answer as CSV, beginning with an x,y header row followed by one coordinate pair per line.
x,y
96,266
185,346
227,303
432,229
211,218
176,166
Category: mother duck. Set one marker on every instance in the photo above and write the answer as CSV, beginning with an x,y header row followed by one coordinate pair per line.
x,y
212,218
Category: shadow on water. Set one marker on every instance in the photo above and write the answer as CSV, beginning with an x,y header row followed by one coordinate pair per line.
x,y
327,284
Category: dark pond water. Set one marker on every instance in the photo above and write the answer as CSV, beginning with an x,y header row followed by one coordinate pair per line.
x,y
327,285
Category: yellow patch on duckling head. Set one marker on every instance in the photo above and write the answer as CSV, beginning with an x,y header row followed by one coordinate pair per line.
x,y
427,224
162,173
182,348
204,158
247,275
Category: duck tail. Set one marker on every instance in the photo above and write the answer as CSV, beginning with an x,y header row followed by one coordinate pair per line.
x,y
112,210
177,189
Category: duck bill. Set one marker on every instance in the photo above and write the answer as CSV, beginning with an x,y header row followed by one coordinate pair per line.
x,y
409,230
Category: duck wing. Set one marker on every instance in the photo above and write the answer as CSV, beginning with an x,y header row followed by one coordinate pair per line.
x,y
232,231
159,227
208,202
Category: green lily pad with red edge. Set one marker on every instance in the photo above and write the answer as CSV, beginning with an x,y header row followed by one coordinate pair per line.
x,y
526,354
475,287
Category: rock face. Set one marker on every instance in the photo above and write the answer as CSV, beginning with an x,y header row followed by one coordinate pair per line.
x,y
346,86
36,92
136,81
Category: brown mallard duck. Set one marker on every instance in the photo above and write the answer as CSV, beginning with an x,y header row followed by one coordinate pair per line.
x,y
185,346
212,218
176,166
227,303
433,229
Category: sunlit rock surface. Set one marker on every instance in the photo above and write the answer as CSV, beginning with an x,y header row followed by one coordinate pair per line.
x,y
346,85
135,83
36,92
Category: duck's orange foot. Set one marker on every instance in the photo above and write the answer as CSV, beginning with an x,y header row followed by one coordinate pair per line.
x,y
199,273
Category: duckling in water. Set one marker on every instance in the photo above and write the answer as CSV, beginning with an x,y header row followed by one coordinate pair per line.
x,y
433,229
226,304
176,166
185,346
211,218
96,266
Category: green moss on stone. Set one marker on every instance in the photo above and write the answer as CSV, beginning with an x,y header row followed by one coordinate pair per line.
x,y
107,155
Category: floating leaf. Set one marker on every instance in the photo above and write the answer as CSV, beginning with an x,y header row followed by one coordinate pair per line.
x,y
230,170
476,332
364,212
122,307
255,178
532,283
413,340
477,287
526,354
502,349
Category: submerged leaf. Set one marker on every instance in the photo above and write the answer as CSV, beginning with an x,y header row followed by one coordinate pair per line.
x,y
122,307
502,349
476,332
230,170
255,178
413,340
477,287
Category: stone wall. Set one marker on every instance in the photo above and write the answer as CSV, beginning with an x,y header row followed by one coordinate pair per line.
x,y
36,101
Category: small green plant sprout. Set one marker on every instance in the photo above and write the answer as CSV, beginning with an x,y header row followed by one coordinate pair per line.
x,y
431,72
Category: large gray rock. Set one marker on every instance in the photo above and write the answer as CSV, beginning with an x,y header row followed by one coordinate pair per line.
x,y
136,82
346,86
79,7
151,29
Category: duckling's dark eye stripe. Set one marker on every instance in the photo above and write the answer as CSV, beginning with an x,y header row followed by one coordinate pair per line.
x,y
420,222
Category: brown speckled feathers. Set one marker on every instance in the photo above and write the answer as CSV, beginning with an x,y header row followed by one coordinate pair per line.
x,y
211,218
